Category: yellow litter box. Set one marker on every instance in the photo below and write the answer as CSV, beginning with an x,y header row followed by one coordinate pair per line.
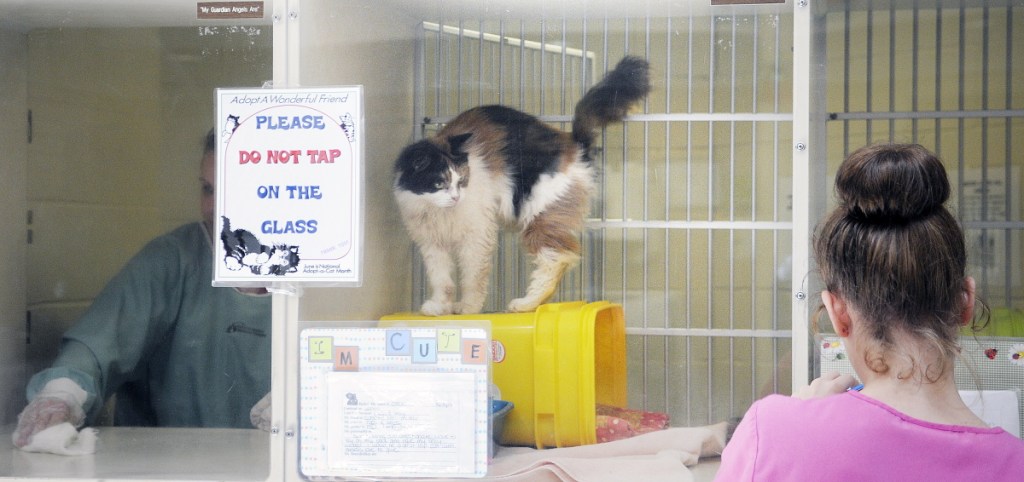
x,y
555,365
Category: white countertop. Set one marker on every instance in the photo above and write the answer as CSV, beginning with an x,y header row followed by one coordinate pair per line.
x,y
173,454
150,453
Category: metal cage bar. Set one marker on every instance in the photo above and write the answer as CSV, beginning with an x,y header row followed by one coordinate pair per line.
x,y
691,223
962,106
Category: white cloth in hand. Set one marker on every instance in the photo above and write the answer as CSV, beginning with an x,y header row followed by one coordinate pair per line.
x,y
63,439
60,401
260,414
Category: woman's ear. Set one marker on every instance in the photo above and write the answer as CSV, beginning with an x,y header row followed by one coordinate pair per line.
x,y
837,312
968,313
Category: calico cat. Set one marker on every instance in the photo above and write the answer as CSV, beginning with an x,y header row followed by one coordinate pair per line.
x,y
493,166
243,250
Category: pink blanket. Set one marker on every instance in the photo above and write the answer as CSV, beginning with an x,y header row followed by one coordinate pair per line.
x,y
614,423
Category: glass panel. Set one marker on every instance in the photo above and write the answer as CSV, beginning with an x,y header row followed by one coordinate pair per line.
x,y
112,105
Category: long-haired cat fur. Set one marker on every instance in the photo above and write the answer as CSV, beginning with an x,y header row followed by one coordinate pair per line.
x,y
492,167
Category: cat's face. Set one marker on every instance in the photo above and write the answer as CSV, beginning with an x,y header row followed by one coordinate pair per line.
x,y
449,188
429,171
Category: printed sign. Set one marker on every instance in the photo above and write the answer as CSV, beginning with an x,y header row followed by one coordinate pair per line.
x,y
745,2
289,186
394,402
232,10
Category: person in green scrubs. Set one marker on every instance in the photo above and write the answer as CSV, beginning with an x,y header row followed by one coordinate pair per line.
x,y
176,351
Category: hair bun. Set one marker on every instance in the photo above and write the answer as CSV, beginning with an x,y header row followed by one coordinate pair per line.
x,y
892,183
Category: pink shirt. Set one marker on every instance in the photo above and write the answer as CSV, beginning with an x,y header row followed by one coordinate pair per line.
x,y
856,438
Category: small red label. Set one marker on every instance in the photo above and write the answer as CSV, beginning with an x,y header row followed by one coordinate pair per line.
x,y
497,351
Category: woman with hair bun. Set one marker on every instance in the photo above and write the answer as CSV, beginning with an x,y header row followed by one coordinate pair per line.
x,y
893,262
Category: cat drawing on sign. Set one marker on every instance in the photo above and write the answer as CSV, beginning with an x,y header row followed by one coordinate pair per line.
x,y
493,167
349,127
243,250
230,125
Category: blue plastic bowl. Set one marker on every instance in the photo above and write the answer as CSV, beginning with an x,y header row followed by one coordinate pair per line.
x,y
499,409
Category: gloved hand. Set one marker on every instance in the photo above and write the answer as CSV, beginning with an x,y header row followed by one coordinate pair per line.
x,y
260,414
61,400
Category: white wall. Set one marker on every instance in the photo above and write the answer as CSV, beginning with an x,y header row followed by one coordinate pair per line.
x,y
13,153
120,115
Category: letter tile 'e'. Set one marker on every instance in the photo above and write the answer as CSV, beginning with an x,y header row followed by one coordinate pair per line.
x,y
474,351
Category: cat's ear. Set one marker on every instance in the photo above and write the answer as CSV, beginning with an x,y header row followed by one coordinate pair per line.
x,y
415,157
455,143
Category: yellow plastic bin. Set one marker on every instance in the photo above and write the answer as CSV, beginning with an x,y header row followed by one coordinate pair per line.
x,y
555,364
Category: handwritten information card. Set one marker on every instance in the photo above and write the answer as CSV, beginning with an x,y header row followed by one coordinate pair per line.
x,y
289,186
394,402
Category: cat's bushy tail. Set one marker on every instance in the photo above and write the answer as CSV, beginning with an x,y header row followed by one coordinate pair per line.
x,y
610,100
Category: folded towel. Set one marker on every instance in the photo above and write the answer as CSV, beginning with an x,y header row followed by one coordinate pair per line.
x,y
657,456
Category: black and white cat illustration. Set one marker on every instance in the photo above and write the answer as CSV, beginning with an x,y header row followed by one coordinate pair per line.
x,y
243,250
349,127
493,166
230,125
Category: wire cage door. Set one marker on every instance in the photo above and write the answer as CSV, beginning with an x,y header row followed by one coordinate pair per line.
x,y
691,229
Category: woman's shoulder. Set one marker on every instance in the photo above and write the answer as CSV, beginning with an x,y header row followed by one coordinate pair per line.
x,y
778,401
791,437
785,412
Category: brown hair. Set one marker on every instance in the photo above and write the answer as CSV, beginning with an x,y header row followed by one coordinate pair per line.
x,y
894,252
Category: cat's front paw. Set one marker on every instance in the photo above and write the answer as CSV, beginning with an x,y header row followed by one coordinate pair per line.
x,y
464,308
435,308
231,263
521,305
